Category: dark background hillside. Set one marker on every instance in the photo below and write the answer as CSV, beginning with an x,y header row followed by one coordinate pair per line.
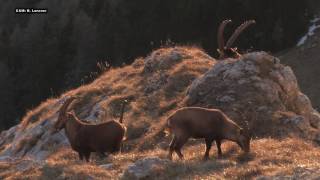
x,y
43,55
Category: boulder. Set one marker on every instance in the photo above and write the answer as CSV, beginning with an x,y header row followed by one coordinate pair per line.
x,y
255,88
145,168
106,166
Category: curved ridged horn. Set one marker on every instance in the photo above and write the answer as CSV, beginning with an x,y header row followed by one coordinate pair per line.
x,y
238,31
220,37
66,104
122,110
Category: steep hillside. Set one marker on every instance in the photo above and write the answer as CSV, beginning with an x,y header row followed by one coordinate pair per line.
x,y
256,88
154,86
305,62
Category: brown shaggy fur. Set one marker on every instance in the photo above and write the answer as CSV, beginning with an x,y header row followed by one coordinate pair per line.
x,y
86,138
210,124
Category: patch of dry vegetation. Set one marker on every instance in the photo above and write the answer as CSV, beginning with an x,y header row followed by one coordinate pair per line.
x,y
154,87
154,91
268,157
43,111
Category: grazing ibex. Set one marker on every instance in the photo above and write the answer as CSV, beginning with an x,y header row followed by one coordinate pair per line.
x,y
210,124
226,51
86,138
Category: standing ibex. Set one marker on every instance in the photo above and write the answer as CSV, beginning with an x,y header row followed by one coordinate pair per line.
x,y
86,138
226,51
210,124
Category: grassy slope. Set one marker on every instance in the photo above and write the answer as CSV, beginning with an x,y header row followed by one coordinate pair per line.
x,y
151,100
268,157
144,116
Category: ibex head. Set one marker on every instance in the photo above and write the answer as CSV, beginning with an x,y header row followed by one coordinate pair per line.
x,y
243,140
63,115
245,136
226,51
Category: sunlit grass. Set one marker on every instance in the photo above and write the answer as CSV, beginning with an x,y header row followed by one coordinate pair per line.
x,y
144,118
267,157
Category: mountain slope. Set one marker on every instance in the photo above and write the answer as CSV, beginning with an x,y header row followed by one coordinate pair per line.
x,y
157,85
305,62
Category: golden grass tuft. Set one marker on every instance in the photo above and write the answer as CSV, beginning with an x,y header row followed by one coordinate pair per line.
x,y
267,157
43,111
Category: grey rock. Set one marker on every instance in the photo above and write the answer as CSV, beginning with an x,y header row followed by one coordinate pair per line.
x,y
144,168
315,119
258,78
106,166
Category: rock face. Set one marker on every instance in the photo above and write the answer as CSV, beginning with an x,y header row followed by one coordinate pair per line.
x,y
34,141
258,89
145,168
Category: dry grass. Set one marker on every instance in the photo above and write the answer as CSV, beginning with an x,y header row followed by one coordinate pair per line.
x,y
168,85
43,111
268,157
144,117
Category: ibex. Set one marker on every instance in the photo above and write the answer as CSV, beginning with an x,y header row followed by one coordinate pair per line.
x,y
226,51
86,138
210,124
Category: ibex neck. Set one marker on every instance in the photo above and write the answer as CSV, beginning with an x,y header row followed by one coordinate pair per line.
x,y
72,128
232,131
